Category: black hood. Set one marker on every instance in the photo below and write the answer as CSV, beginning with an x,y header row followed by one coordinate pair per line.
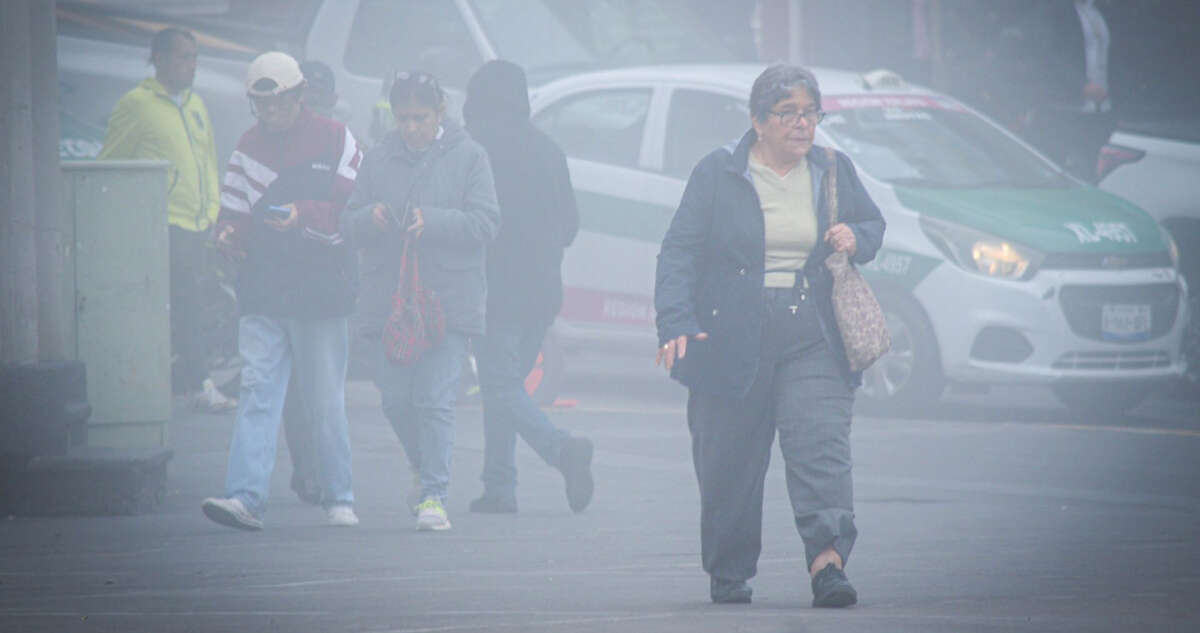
x,y
497,94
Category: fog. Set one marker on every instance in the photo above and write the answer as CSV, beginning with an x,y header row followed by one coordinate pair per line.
x,y
515,433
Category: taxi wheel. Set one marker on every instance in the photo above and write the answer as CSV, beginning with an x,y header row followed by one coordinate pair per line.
x,y
1191,342
1101,400
1187,238
910,374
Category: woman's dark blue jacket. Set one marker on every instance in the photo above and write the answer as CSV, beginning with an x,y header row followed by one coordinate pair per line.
x,y
710,268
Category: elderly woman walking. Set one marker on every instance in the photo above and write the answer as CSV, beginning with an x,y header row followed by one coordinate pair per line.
x,y
745,321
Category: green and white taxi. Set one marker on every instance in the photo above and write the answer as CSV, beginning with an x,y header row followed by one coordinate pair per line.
x,y
996,267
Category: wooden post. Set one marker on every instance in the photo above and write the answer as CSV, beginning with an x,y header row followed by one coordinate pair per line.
x,y
31,326
49,238
18,245
772,27
937,60
797,44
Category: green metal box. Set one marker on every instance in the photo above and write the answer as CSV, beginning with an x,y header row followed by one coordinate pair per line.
x,y
116,281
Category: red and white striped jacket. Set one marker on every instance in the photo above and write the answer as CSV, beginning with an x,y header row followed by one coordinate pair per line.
x,y
306,271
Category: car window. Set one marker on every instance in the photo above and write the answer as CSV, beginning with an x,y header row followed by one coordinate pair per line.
x,y
603,126
575,35
699,122
508,29
391,35
927,142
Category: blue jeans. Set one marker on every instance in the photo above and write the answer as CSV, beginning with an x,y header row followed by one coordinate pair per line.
x,y
271,349
419,400
505,356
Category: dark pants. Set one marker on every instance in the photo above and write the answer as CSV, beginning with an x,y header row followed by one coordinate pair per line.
x,y
1073,138
800,393
505,356
188,259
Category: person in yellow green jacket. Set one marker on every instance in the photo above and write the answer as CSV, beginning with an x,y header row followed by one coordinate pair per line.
x,y
163,119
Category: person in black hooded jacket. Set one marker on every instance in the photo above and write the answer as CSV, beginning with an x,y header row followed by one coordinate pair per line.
x,y
524,280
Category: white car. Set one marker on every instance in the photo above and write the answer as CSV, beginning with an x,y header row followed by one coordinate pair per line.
x,y
1155,166
996,267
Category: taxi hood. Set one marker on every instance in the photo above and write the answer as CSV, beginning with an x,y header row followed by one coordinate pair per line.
x,y
1076,219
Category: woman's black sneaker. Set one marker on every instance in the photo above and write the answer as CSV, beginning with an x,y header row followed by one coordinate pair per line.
x,y
729,591
831,588
575,463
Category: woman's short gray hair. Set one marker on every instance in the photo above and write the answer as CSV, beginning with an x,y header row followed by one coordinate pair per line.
x,y
776,84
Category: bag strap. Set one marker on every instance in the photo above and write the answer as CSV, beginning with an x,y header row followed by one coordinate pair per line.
x,y
409,277
414,275
831,197
829,188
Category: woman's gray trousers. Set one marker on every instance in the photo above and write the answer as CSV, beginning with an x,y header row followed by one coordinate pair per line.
x,y
800,393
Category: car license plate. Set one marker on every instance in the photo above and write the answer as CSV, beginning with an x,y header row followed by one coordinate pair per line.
x,y
1125,321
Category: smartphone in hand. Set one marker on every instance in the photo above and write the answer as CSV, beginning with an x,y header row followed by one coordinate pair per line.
x,y
279,212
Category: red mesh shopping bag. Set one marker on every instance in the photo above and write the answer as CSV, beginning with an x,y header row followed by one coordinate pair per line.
x,y
416,322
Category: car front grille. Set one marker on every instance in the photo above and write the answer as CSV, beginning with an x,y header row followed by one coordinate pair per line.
x,y
1113,361
1106,261
1084,305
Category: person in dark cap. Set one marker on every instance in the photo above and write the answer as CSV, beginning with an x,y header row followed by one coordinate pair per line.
x,y
540,220
320,92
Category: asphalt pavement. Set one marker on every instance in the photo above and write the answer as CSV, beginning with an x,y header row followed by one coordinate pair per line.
x,y
1002,515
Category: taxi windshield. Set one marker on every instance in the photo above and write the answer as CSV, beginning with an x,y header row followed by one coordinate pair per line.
x,y
577,35
928,142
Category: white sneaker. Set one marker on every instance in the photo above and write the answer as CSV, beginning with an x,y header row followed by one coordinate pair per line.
x,y
231,513
341,516
211,400
431,516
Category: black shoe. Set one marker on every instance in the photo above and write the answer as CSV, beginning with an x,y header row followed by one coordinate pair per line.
x,y
308,491
488,504
575,462
831,588
729,591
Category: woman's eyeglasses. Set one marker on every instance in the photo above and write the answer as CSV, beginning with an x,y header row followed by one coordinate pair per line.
x,y
792,118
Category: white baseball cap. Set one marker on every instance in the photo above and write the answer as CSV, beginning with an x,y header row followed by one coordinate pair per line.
x,y
273,73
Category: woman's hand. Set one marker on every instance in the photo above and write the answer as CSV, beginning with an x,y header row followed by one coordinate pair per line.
x,y
227,243
418,223
379,216
841,238
283,224
674,350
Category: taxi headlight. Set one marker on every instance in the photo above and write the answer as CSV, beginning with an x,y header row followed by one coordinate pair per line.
x,y
1172,247
980,252
997,258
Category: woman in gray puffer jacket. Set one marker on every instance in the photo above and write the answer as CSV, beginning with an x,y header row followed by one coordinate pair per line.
x,y
430,183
